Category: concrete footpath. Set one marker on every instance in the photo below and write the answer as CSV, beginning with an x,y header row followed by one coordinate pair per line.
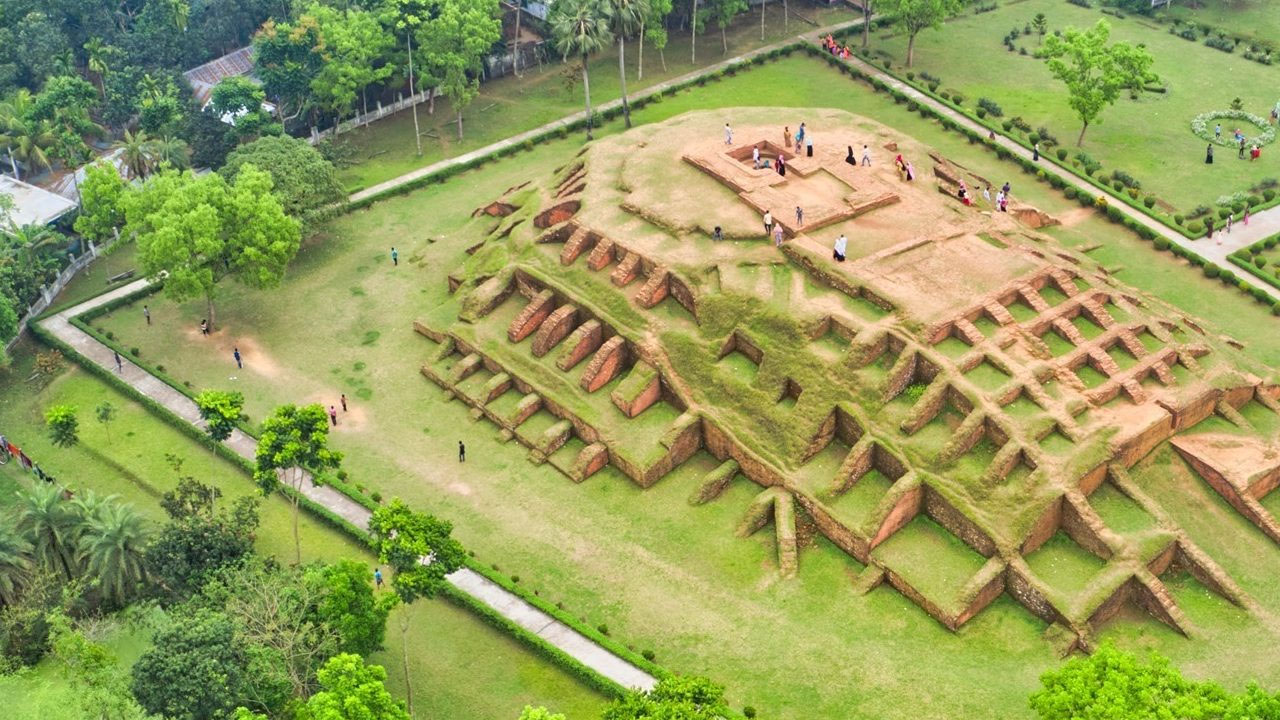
x,y
505,603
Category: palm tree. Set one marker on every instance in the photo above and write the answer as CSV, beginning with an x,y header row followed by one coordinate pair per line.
x,y
172,152
624,17
97,62
25,140
149,87
137,152
15,564
111,548
29,240
50,524
579,27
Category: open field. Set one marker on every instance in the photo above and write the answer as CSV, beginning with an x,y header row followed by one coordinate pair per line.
x,y
1250,18
511,105
662,575
465,669
1149,138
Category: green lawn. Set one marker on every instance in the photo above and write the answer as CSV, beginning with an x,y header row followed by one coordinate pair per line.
x,y
463,668
1249,18
93,280
661,574
512,105
1149,138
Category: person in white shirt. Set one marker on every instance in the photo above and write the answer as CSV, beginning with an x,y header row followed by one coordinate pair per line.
x,y
768,222
838,250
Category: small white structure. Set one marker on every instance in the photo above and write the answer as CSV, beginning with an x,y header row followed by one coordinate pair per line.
x,y
32,205
234,64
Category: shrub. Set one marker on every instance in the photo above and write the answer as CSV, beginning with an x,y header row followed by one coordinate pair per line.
x,y
1133,194
1268,194
991,107
1085,199
648,655
1211,271
911,76
376,496
1126,178
1062,154
515,579
1114,214
1275,309
1033,138
111,335
944,95
1162,243
912,105
749,712
1259,261
1178,219
1224,212
1071,192
1007,125
933,87
1149,201
159,368
135,352
1195,227
1117,185
981,113
602,629
957,98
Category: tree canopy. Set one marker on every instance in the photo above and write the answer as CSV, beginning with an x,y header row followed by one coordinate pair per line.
x,y
676,698
1093,71
301,177
912,16
352,690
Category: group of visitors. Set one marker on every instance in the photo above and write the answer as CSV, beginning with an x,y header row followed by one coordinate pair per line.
x,y
905,170
835,48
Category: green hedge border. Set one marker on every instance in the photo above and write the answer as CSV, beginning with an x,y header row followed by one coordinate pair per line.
x,y
1071,191
1238,259
1164,219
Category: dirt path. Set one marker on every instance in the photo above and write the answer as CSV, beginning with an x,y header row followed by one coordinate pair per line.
x,y
507,604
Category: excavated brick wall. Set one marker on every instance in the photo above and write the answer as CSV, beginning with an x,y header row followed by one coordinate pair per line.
x,y
903,512
1028,596
555,328
531,317
1045,527
605,365
946,515
841,536
581,343
982,599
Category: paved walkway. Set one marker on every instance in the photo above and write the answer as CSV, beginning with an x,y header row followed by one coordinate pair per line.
x,y
1262,225
507,604
568,120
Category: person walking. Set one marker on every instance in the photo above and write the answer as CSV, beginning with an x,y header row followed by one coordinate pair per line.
x,y
333,416
838,250
782,165
1245,219
1208,228
1217,131
777,235
146,313
1230,218
728,134
462,452
755,156
377,577
808,145
204,326
395,258
1006,189
1241,155
344,402
1035,152
799,216
768,222
119,364
717,234
866,156
235,353
786,136
1208,155
986,193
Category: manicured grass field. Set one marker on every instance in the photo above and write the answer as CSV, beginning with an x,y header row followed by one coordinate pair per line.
x,y
463,668
1250,18
1149,138
512,105
662,575
93,280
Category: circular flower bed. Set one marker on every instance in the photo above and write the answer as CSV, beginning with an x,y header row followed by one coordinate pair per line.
x,y
1203,124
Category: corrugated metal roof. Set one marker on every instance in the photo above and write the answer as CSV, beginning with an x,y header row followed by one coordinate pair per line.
x,y
32,205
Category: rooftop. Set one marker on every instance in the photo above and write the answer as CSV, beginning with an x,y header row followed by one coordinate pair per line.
x,y
32,205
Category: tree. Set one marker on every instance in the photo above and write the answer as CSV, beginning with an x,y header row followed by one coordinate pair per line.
x,y
420,551
454,42
866,24
105,414
352,690
195,670
580,29
284,58
49,522
294,443
63,425
300,176
239,100
25,138
111,549
348,604
1041,24
101,214
676,697
193,231
722,12
354,44
200,540
1093,72
539,713
16,564
654,29
220,410
625,17
912,16
96,53
406,16
136,153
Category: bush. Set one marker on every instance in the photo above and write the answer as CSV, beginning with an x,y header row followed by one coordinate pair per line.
x,y
957,98
991,107
648,655
1223,213
1062,154
911,76
1178,219
933,87
748,712
981,113
376,496
111,335
912,105
1071,192
1275,309
602,629
1007,125
1033,138
1114,214
1195,227
1259,261
1211,271
1162,243
135,352
1149,201
1268,195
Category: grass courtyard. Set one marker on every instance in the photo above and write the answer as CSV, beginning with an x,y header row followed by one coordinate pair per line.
x,y
660,574
465,669
1149,138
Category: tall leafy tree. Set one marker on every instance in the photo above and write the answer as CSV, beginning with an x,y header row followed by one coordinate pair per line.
x,y
200,539
420,550
406,16
1093,71
455,40
912,16
96,61
240,100
195,670
352,690
346,602
50,523
101,192
294,443
354,48
285,59
24,138
137,153
580,28
101,686
220,410
686,698
653,27
301,177
722,12
625,17
111,549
